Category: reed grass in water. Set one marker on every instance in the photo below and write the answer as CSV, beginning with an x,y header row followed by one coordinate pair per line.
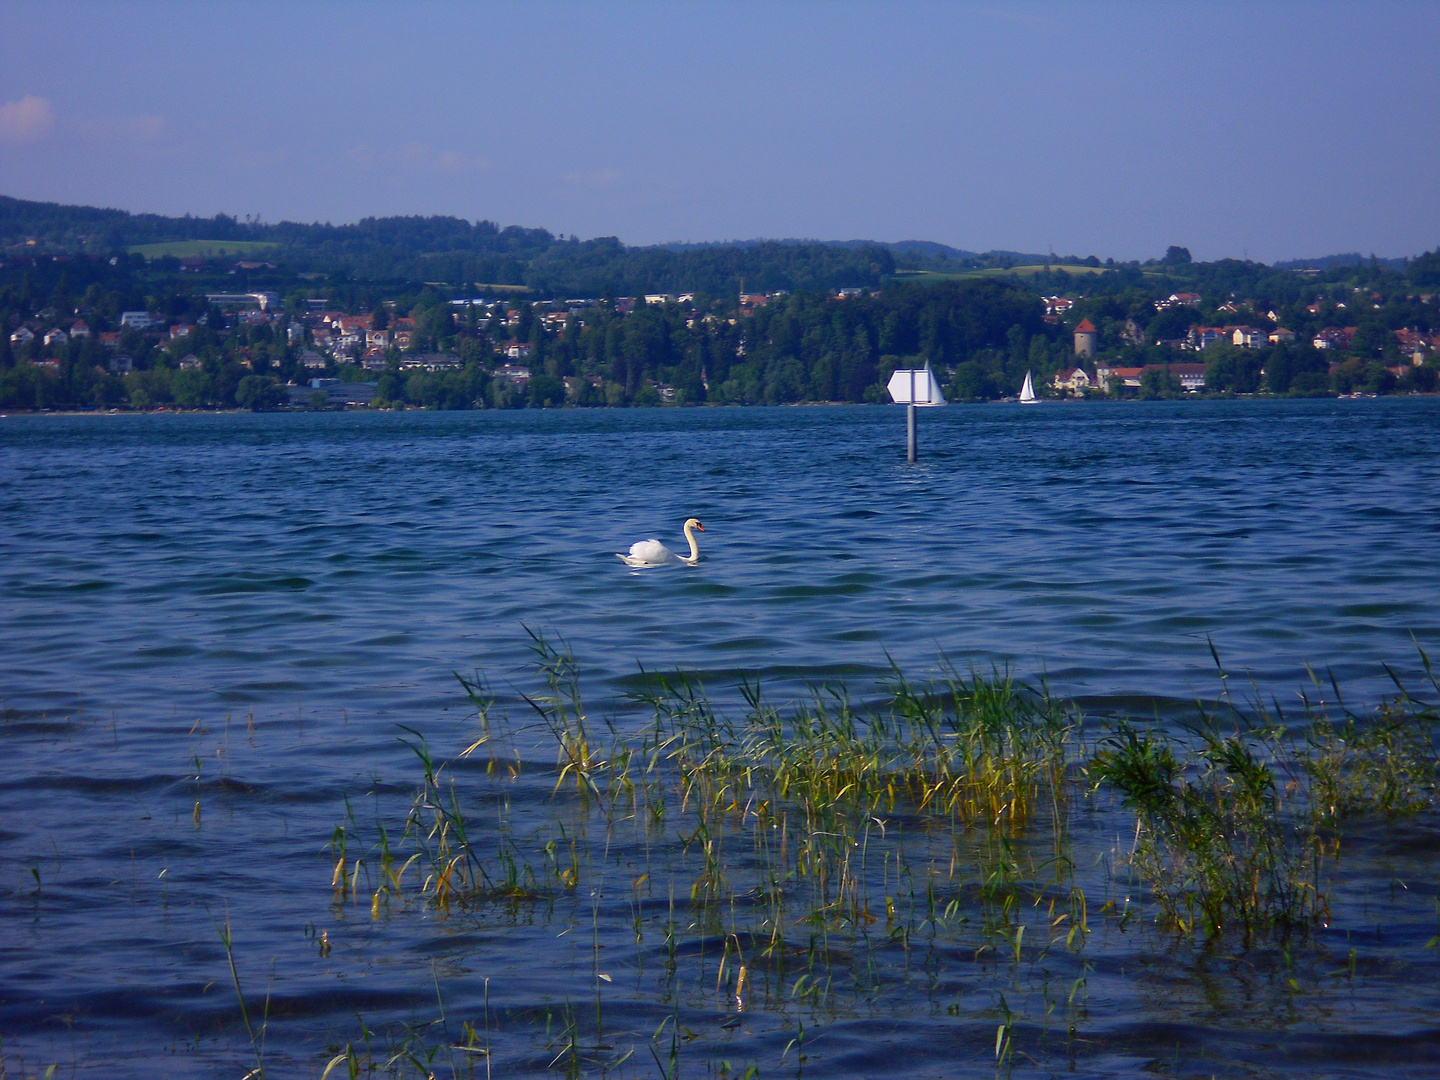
x,y
779,804
792,839
1235,829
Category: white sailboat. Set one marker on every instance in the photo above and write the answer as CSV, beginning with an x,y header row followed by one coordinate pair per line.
x,y
1027,392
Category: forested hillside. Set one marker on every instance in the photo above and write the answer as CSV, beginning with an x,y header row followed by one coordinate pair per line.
x,y
444,312
452,250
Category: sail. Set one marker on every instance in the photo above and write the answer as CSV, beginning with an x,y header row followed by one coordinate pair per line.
x,y
1027,392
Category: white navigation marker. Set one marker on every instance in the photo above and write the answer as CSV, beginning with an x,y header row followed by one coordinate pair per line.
x,y
914,388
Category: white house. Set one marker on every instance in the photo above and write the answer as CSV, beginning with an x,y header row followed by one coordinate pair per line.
x,y
56,337
23,336
136,320
1247,337
1072,379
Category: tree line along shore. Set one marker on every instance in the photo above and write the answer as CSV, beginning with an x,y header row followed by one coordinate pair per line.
x,y
140,312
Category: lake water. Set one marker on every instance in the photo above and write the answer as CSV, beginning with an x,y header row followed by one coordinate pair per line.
x,y
213,627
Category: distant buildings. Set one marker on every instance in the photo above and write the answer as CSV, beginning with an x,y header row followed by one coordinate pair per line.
x,y
1107,377
337,394
515,374
402,333
1416,345
752,302
506,336
265,301
431,362
1072,380
1334,337
1190,376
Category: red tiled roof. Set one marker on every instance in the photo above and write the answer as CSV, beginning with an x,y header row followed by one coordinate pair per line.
x,y
1085,327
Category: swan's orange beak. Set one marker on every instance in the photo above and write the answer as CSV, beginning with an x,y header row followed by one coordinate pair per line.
x,y
699,526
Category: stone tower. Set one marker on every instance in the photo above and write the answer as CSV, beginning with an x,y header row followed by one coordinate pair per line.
x,y
1085,338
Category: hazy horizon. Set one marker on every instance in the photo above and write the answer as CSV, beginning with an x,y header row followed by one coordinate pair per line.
x,y
1272,131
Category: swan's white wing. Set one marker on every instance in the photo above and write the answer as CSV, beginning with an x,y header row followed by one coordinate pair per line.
x,y
648,552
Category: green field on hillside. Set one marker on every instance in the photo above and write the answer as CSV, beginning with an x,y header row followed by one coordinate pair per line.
x,y
483,286
995,271
185,249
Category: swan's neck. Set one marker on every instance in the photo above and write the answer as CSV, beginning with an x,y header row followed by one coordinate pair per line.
x,y
694,547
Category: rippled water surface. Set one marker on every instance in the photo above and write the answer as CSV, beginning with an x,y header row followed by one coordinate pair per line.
x,y
213,627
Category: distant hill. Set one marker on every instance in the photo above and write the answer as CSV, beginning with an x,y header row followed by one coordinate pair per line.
x,y
927,248
1352,258
930,250
448,250
458,253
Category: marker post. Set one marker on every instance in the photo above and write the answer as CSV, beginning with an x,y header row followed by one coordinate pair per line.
x,y
914,388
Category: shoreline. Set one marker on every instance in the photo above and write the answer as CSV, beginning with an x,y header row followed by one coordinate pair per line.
x,y
176,411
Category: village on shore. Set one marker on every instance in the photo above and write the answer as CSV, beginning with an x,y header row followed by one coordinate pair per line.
x,y
137,330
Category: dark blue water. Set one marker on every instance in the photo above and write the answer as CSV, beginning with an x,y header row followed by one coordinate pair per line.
x,y
237,611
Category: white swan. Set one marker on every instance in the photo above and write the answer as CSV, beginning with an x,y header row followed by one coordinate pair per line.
x,y
654,553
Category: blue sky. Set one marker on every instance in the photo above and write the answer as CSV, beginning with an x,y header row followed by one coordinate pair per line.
x,y
1270,129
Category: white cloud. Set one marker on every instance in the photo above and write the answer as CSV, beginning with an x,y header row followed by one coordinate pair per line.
x,y
26,119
